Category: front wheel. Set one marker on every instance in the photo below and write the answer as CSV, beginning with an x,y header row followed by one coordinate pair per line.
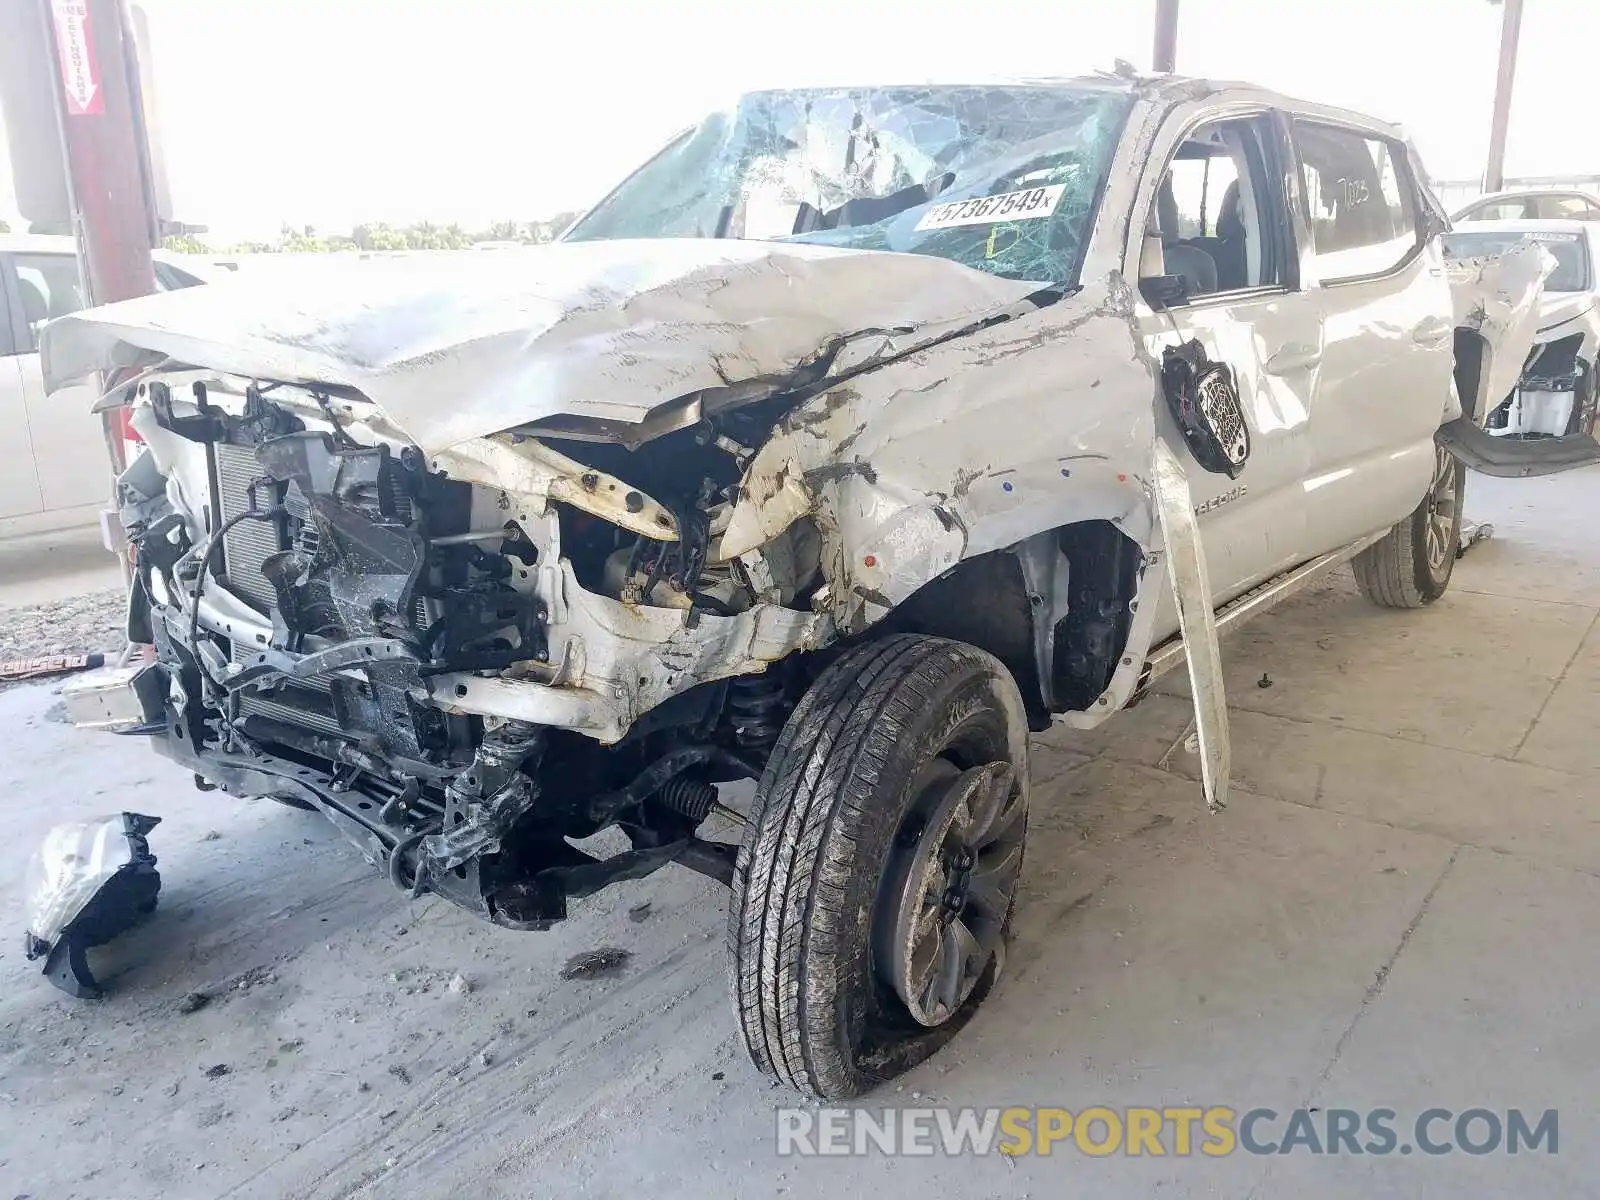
x,y
873,890
1411,565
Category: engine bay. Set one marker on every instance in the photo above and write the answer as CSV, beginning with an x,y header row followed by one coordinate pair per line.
x,y
324,608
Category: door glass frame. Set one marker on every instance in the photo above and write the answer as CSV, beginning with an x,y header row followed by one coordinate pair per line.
x,y
1400,158
1276,166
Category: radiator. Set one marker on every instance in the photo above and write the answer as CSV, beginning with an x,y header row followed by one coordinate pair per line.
x,y
249,543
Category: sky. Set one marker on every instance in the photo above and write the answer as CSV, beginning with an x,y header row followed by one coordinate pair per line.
x,y
334,112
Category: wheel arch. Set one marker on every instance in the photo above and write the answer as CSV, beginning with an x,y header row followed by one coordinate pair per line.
x,y
1055,608
1471,351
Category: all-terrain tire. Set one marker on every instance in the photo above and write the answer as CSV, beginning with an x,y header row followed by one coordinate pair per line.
x,y
1411,565
835,796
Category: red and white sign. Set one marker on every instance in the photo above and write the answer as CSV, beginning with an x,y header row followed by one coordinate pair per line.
x,y
80,76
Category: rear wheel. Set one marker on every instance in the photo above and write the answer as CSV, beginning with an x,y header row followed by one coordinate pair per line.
x,y
1584,405
873,891
1411,565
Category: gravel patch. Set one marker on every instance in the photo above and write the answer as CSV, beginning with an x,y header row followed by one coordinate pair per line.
x,y
79,625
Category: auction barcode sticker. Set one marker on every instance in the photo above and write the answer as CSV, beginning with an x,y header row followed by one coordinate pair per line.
x,y
986,210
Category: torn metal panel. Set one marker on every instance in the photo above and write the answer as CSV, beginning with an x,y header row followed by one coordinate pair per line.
x,y
1556,392
1197,620
622,660
1497,298
529,468
918,466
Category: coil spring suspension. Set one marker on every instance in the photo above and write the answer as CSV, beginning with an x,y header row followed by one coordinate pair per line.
x,y
757,709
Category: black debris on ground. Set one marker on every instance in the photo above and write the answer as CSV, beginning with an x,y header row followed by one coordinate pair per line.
x,y
596,964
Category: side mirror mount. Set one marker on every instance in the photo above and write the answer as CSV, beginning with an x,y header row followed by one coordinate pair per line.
x,y
1164,291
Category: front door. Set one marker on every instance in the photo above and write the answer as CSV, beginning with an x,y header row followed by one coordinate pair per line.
x,y
1219,223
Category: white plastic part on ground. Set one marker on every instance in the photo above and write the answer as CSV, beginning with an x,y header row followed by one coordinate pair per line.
x,y
74,862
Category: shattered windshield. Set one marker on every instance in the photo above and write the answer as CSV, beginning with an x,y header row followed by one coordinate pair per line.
x,y
1003,179
1572,260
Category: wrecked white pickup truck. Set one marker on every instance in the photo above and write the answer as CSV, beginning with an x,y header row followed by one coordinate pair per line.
x,y
853,436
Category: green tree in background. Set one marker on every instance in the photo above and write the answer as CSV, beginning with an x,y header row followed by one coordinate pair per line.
x,y
378,236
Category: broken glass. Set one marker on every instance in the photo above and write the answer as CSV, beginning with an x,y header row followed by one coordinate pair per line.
x,y
1001,178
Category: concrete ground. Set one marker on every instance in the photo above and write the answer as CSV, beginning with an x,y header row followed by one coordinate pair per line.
x,y
42,567
1400,909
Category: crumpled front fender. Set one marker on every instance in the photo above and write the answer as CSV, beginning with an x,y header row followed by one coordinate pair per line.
x,y
1496,297
968,446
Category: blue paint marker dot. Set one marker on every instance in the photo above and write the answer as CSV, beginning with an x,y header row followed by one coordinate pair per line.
x,y
1066,474
1006,486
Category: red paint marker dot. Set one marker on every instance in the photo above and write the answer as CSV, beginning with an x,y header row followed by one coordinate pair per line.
x,y
871,560
1122,479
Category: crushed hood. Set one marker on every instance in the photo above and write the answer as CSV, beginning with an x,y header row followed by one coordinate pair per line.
x,y
454,346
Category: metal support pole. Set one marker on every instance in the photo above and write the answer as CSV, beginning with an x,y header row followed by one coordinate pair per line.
x,y
102,139
90,46
1494,175
101,132
1164,58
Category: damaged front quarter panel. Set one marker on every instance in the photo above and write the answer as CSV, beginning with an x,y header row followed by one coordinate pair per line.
x,y
959,449
1496,302
610,659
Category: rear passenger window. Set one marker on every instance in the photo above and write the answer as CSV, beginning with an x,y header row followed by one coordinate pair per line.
x,y
1566,208
1360,205
1506,210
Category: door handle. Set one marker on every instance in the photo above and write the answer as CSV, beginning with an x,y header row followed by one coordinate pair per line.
x,y
1432,332
1296,356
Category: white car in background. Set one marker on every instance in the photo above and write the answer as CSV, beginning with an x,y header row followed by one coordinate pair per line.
x,y
1531,204
56,471
1557,393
